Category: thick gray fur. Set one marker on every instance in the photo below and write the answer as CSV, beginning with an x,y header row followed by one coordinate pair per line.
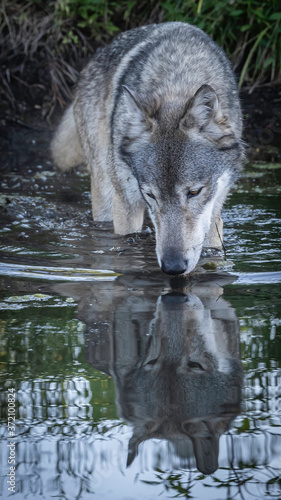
x,y
156,118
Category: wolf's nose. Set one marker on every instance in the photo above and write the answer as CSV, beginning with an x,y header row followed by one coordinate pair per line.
x,y
174,266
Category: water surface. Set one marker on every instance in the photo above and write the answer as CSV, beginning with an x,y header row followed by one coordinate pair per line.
x,y
129,384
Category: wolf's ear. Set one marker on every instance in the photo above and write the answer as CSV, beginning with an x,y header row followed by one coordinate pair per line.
x,y
204,113
132,98
137,123
204,105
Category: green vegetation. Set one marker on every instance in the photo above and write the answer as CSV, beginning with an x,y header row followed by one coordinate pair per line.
x,y
60,34
248,30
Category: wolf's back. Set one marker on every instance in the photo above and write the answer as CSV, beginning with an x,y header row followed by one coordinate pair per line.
x,y
169,61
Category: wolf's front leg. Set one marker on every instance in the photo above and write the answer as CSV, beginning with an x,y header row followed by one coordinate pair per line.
x,y
102,196
127,217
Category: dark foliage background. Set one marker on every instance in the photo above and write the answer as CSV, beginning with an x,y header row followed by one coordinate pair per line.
x,y
44,44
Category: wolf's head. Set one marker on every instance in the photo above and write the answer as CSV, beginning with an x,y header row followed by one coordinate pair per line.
x,y
185,154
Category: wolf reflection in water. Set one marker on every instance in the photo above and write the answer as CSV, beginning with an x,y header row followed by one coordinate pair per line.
x,y
175,361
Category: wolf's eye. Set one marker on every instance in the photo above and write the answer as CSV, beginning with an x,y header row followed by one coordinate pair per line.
x,y
193,192
195,365
151,195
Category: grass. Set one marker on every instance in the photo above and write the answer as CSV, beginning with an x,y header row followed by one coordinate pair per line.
x,y
44,44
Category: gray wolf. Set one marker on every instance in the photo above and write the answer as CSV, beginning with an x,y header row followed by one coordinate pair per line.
x,y
156,118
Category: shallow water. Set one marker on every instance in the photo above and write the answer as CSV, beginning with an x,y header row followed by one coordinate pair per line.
x,y
129,384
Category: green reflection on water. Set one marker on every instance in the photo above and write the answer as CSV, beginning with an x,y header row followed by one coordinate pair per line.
x,y
258,309
43,356
42,342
